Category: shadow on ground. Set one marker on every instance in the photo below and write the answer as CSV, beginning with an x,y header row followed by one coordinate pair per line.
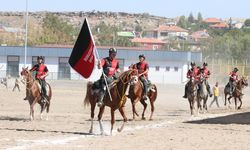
x,y
240,118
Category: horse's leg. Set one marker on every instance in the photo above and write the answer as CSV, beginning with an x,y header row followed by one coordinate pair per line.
x,y
121,110
92,115
47,110
112,120
32,109
240,103
152,108
42,109
100,119
191,106
144,108
225,104
235,102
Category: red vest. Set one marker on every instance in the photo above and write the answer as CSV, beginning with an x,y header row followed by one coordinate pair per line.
x,y
193,73
109,66
206,72
40,71
233,76
141,67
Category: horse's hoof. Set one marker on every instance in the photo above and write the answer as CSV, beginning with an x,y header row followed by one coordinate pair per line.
x,y
119,130
143,118
150,119
238,107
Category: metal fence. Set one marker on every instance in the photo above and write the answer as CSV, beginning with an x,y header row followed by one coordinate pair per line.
x,y
220,69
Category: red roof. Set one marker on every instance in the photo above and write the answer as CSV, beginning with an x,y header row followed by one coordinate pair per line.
x,y
148,40
200,35
170,28
220,25
212,20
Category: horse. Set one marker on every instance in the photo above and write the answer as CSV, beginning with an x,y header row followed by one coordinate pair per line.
x,y
117,91
33,92
192,95
202,94
237,93
136,94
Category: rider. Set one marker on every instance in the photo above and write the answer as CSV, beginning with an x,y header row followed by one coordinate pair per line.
x,y
41,72
206,74
110,67
193,72
142,67
233,77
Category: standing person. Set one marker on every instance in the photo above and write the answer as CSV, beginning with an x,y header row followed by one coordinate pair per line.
x,y
16,85
142,67
192,73
111,69
41,72
216,95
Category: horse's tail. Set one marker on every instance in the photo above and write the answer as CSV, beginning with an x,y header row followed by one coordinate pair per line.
x,y
154,90
86,101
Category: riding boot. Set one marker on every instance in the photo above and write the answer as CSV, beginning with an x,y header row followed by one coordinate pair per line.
x,y
100,98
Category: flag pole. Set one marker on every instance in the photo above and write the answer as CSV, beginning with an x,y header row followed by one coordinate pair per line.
x,y
26,35
98,58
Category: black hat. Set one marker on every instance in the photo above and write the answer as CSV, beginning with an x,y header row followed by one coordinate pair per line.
x,y
40,57
142,56
204,64
236,69
112,50
193,63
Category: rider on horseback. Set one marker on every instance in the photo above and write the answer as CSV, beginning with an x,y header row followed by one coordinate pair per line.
x,y
143,68
110,67
233,77
41,72
192,73
206,73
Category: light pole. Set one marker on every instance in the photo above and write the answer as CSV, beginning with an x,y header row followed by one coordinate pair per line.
x,y
26,34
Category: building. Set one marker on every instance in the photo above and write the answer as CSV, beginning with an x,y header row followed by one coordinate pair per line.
x,y
149,43
165,66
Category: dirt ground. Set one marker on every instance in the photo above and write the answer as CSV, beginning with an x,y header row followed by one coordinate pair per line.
x,y
172,128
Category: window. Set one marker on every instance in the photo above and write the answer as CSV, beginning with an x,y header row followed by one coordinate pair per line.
x,y
13,66
176,69
64,68
164,34
157,68
167,68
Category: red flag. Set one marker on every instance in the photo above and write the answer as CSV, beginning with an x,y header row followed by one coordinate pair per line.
x,y
82,57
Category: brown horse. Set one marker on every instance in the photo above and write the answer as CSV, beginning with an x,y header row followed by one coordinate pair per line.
x,y
136,94
237,93
117,91
33,93
192,95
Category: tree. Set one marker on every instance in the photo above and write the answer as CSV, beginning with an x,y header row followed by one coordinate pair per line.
x,y
199,17
191,18
182,22
247,22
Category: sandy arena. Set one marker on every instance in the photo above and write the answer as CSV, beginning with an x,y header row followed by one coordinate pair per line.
x,y
172,128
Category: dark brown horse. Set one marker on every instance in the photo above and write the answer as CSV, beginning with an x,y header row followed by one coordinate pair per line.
x,y
33,93
237,93
136,94
192,95
117,91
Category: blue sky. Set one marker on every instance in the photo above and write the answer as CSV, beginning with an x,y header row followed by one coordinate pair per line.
x,y
166,8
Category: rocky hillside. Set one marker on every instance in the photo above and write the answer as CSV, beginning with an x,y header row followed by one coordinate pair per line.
x,y
146,21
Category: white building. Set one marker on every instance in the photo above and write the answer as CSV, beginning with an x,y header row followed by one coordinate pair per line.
x,y
165,66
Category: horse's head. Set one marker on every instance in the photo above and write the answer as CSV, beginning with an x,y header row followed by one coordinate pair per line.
x,y
243,81
25,73
129,76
